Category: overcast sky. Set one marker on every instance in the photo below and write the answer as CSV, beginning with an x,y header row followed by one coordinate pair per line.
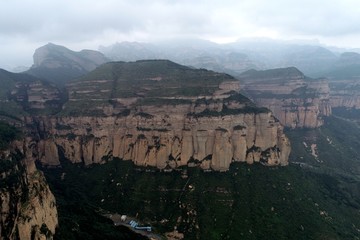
x,y
77,24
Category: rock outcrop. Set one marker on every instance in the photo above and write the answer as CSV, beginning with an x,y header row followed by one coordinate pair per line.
x,y
166,139
55,56
37,95
27,206
155,113
297,101
22,94
165,115
345,93
59,64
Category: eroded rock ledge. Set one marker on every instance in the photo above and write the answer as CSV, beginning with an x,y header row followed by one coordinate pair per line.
x,y
27,206
161,114
296,100
165,140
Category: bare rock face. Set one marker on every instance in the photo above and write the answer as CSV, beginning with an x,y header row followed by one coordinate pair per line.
x,y
217,140
345,93
297,101
160,114
28,208
55,56
59,65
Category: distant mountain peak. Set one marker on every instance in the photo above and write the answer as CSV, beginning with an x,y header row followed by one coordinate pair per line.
x,y
57,63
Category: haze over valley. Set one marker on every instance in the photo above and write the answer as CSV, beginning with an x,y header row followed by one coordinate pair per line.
x,y
180,120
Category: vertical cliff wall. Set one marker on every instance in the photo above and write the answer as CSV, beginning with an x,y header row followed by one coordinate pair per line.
x,y
161,114
165,137
27,206
345,93
297,101
155,113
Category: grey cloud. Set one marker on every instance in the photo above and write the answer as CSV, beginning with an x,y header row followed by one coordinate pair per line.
x,y
327,18
73,23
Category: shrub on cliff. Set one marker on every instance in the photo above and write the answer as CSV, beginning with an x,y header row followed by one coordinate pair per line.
x,y
8,133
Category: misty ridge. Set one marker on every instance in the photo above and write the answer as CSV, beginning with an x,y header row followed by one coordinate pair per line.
x,y
310,57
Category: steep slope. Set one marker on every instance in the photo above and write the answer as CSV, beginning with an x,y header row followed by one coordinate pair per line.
x,y
344,79
27,206
316,197
59,64
23,94
345,93
346,66
296,100
158,113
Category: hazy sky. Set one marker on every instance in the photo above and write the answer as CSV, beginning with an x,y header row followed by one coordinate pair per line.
x,y
28,24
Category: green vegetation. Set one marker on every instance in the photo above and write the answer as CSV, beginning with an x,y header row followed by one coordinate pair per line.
x,y
315,197
298,93
144,115
239,127
352,114
11,110
248,109
337,143
12,185
62,127
8,134
15,91
162,101
278,75
79,218
153,82
351,71
81,108
6,83
12,169
253,202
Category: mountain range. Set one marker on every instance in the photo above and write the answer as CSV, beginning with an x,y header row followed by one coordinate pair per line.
x,y
235,58
241,152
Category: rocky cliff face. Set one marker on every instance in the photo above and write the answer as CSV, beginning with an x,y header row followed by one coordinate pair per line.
x,y
59,64
36,95
55,56
155,113
297,101
177,116
27,206
345,93
166,139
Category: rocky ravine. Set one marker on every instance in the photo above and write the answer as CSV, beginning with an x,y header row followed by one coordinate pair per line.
x,y
27,206
296,100
162,122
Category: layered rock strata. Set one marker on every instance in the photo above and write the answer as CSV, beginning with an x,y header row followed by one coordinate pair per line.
x,y
165,116
297,101
345,93
166,140
155,113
